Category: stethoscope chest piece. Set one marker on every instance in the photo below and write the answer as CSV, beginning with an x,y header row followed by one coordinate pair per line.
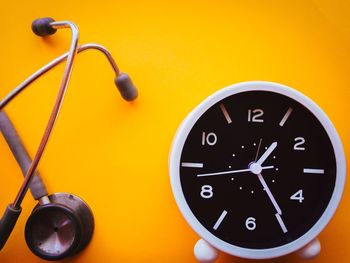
x,y
60,228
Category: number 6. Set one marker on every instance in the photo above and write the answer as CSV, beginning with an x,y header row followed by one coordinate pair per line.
x,y
250,223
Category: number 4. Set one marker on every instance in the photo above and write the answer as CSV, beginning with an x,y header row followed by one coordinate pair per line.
x,y
298,196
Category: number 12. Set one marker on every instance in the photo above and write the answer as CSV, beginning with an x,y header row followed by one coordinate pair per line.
x,y
255,115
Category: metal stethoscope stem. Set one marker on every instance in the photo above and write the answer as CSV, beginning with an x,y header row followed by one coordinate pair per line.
x,y
54,113
69,56
16,91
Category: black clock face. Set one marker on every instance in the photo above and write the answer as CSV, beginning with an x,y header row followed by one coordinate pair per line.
x,y
257,169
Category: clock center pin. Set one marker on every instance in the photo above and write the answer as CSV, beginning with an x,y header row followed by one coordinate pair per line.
x,y
255,168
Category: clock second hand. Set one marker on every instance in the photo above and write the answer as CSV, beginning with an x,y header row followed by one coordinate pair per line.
x,y
233,171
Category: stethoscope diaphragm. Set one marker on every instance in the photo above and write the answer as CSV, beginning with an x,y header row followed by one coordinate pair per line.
x,y
60,228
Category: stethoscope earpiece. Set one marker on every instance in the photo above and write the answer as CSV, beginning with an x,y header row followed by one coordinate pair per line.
x,y
42,27
125,86
60,228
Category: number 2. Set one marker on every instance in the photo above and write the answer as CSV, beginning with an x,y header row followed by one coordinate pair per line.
x,y
299,141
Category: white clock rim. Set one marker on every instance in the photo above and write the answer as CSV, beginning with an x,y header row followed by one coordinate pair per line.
x,y
174,165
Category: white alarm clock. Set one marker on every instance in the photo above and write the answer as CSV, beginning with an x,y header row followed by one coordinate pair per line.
x,y
257,170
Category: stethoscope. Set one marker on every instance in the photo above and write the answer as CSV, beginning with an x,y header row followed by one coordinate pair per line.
x,y
61,224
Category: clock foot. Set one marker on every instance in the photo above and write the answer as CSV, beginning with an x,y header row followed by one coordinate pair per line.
x,y
204,252
311,250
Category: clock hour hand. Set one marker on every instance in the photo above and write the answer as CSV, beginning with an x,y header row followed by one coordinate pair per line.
x,y
256,168
233,171
267,153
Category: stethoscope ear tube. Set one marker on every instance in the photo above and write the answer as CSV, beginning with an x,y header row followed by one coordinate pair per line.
x,y
8,222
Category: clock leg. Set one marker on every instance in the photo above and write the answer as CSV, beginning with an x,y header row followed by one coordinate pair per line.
x,y
204,252
311,250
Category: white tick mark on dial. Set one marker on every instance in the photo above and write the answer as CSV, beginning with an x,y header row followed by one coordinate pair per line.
x,y
266,148
276,169
233,155
240,188
229,166
254,144
273,180
274,157
232,179
252,192
242,146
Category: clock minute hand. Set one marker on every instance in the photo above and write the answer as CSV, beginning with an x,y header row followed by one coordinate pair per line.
x,y
267,153
274,202
233,171
268,191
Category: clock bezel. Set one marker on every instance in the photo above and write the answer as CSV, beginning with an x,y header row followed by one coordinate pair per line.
x,y
174,169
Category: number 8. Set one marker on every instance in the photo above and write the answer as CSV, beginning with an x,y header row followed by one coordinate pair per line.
x,y
207,191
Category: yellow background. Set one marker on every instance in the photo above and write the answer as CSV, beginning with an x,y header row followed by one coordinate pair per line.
x,y
114,154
